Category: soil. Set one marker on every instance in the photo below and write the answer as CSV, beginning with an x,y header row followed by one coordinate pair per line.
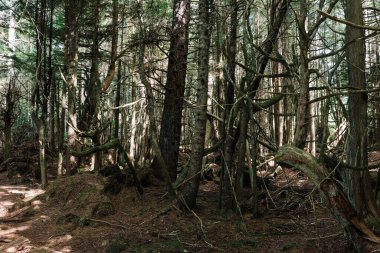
x,y
62,219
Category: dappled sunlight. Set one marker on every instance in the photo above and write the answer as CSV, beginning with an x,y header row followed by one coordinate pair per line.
x,y
32,193
27,193
36,204
45,218
54,241
15,246
64,250
10,231
6,203
10,195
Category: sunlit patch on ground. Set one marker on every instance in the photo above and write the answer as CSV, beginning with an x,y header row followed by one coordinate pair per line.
x,y
11,194
10,231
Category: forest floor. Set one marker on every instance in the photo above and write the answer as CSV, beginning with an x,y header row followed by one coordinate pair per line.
x,y
73,215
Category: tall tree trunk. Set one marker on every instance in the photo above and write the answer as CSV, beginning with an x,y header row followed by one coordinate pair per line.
x,y
10,96
226,194
279,10
93,87
71,65
119,76
152,123
170,132
303,106
190,188
359,192
41,90
116,116
359,189
51,81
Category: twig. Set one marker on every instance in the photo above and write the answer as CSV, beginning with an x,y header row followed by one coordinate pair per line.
x,y
373,28
108,223
325,237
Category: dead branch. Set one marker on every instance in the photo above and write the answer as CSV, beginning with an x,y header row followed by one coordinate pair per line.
x,y
113,143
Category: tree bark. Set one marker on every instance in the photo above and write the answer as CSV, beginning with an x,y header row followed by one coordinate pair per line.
x,y
191,185
171,122
152,123
226,188
10,96
41,91
303,106
359,190
51,81
279,10
71,65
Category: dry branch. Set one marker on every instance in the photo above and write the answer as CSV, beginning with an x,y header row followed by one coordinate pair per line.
x,y
113,143
343,21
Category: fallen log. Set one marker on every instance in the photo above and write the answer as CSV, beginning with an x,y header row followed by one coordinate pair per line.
x,y
354,224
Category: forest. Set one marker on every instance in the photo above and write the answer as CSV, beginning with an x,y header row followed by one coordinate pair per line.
x,y
189,126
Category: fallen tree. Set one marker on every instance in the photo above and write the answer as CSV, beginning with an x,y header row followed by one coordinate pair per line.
x,y
355,224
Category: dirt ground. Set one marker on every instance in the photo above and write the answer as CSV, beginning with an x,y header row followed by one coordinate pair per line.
x,y
67,217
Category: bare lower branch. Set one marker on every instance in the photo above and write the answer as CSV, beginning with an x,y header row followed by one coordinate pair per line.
x,y
343,21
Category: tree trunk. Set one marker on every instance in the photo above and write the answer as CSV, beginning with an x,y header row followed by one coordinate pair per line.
x,y
303,106
279,10
226,189
10,95
359,191
152,122
42,152
41,89
51,82
170,132
8,118
71,65
241,153
190,188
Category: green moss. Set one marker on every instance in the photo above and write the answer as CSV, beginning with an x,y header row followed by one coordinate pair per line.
x,y
289,247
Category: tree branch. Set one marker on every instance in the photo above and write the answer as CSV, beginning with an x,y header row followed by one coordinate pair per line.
x,y
113,143
343,21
